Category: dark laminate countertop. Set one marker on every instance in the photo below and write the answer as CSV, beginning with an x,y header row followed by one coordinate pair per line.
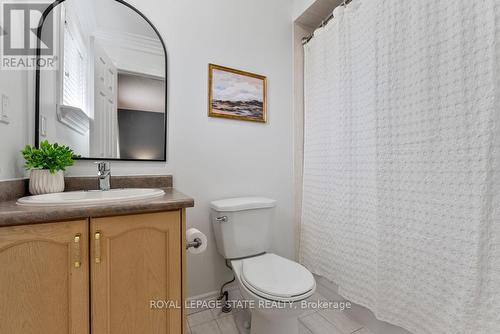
x,y
13,214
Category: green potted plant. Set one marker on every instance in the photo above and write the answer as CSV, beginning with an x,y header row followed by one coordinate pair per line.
x,y
47,164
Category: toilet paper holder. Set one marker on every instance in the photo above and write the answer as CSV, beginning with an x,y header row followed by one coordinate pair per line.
x,y
194,244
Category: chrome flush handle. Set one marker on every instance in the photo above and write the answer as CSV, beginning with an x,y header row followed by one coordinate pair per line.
x,y
222,219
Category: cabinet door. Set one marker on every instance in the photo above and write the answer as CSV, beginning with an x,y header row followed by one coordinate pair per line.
x,y
44,278
136,259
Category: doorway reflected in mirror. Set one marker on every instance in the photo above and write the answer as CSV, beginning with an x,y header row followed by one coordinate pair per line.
x,y
141,116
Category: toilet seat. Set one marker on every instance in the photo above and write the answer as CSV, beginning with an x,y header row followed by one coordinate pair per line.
x,y
278,279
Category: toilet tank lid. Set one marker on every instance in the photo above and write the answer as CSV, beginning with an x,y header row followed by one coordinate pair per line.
x,y
242,203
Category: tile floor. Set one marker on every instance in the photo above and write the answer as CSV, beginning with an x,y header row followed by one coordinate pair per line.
x,y
326,321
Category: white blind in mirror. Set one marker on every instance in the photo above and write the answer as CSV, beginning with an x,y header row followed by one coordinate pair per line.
x,y
74,78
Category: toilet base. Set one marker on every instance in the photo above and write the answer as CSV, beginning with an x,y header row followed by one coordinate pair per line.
x,y
283,319
267,325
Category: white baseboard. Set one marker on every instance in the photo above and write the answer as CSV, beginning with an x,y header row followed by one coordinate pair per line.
x,y
206,296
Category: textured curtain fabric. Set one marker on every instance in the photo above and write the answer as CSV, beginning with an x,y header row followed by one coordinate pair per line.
x,y
401,198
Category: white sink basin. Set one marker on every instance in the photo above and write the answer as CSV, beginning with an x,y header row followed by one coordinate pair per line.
x,y
92,197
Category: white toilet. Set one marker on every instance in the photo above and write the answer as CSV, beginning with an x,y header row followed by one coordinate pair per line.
x,y
273,284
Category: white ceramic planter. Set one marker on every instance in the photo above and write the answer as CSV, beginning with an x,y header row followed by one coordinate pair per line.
x,y
44,182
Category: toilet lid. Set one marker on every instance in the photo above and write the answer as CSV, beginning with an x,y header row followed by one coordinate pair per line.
x,y
273,275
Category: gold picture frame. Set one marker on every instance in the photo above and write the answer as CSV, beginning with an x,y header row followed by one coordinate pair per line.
x,y
236,94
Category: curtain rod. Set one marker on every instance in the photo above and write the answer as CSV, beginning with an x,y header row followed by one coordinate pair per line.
x,y
323,23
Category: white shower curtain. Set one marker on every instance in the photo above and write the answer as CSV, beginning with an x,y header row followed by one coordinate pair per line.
x,y
401,198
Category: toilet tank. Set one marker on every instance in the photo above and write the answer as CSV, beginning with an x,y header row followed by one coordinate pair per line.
x,y
242,225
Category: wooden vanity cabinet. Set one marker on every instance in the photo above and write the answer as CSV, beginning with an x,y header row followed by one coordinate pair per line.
x,y
134,260
53,275
44,278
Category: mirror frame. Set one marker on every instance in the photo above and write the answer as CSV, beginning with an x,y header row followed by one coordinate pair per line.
x,y
37,81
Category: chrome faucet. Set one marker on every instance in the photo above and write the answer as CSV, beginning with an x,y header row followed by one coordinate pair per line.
x,y
104,174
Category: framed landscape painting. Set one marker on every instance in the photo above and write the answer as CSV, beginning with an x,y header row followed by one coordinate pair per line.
x,y
236,94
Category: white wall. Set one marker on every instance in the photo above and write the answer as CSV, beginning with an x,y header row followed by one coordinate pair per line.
x,y
300,6
137,92
15,135
216,158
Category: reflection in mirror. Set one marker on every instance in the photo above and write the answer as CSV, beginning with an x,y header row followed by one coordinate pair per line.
x,y
107,97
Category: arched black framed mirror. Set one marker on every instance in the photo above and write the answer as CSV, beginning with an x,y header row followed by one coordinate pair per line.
x,y
101,81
